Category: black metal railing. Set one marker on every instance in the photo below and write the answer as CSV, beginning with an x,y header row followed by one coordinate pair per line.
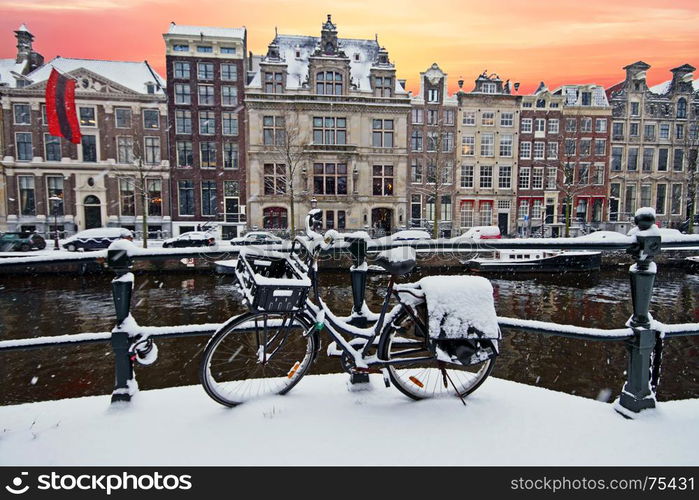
x,y
643,337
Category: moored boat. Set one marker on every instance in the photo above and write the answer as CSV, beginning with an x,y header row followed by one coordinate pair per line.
x,y
518,261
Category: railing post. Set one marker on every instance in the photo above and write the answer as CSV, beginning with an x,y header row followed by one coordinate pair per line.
x,y
358,273
122,287
637,394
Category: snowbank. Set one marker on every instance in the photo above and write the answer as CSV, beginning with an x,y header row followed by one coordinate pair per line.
x,y
321,423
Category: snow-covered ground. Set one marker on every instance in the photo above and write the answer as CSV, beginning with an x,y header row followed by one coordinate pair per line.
x,y
322,423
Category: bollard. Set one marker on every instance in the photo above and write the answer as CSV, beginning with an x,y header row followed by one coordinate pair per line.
x,y
122,287
637,394
358,274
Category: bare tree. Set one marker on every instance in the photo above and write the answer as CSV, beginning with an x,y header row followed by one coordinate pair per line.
x,y
288,146
690,146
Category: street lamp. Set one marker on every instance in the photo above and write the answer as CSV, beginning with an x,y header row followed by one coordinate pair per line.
x,y
55,200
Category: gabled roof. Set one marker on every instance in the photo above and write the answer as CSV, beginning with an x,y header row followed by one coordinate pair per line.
x,y
7,67
664,88
181,29
132,75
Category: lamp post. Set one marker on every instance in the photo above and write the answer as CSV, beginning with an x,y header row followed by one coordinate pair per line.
x,y
55,200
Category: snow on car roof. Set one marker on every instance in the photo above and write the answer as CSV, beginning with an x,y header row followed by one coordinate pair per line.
x,y
103,232
411,234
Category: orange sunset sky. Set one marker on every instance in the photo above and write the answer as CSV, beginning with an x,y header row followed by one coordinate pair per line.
x,y
561,41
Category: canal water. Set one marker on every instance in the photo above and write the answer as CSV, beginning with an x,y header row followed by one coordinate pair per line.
x,y
32,306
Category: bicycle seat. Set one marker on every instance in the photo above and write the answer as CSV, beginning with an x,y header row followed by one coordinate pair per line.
x,y
397,261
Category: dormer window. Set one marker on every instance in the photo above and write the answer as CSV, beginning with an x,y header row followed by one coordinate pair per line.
x,y
328,83
489,88
274,82
150,88
298,54
383,86
356,56
540,103
587,98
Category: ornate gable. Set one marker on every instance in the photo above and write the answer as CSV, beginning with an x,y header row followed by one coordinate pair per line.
x,y
88,82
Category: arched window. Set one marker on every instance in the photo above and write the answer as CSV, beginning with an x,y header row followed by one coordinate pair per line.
x,y
274,218
329,83
682,108
91,200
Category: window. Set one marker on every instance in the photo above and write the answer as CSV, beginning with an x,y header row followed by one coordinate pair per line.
x,y
328,130
645,195
677,160
584,173
527,104
633,129
682,108
382,133
617,153
44,118
231,201
22,114
551,177
183,121
205,49
536,209
27,195
632,160
504,177
600,147
122,117
679,131
415,172
585,147
125,149
207,122
539,150
382,182
183,93
54,187
468,145
598,175
151,119
466,214
206,95
676,203
230,123
330,178
154,189
647,164
540,125
660,198
205,71
447,142
586,124
273,130
52,147
275,218
526,125
523,210
207,157
571,124
432,116
448,117
664,130
208,198
552,150
328,83
601,125
489,88
25,150
416,140
524,173
229,72
617,131
586,98
87,117
635,109
570,147
229,95
127,198
525,150
274,178
383,86
227,50
506,145
538,178
89,147
663,155
152,148
553,126
486,176
488,119
487,144
186,197
432,95
507,119
649,132
486,208
415,210
466,176
181,70
540,103
416,116
469,118
185,158
447,172
230,155
274,82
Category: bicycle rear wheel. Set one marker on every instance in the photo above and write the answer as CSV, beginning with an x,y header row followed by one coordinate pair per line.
x,y
255,355
428,378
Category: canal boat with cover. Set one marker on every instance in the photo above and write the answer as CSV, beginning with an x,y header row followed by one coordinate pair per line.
x,y
520,261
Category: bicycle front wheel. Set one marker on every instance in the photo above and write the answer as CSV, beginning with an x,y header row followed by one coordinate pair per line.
x,y
428,378
256,355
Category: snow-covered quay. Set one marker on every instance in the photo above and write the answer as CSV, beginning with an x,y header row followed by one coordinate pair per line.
x,y
322,423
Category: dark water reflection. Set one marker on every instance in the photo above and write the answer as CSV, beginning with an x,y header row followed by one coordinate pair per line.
x,y
56,305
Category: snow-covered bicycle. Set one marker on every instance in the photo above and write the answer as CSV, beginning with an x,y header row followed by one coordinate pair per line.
x,y
439,338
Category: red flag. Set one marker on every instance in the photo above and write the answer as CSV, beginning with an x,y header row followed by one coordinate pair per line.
x,y
60,107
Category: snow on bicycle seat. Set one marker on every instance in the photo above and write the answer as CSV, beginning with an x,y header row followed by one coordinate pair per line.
x,y
397,261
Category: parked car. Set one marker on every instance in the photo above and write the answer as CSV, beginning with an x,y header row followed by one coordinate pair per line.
x,y
96,239
481,233
407,235
190,239
23,241
257,238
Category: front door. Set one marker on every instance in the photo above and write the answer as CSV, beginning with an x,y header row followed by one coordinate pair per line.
x,y
503,223
93,212
381,219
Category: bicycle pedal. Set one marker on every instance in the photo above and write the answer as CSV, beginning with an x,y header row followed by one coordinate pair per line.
x,y
359,378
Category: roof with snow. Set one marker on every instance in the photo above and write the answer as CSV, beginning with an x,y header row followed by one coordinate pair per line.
x,y
181,29
132,75
573,94
7,68
664,88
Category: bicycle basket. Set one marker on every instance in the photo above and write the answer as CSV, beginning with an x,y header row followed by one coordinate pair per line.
x,y
271,282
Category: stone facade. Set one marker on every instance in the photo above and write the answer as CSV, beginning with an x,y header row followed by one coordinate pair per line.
x,y
651,136
206,70
489,141
327,121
